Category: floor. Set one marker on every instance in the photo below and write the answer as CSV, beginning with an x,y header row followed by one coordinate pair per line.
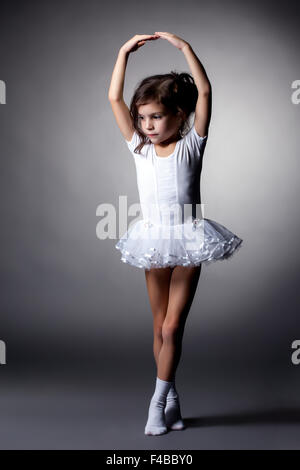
x,y
50,410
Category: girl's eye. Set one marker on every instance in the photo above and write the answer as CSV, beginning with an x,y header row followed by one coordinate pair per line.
x,y
156,117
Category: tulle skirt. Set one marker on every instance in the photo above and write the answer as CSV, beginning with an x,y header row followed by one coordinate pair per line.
x,y
202,241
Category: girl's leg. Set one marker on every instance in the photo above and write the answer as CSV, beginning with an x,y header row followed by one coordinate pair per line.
x,y
158,285
183,285
159,289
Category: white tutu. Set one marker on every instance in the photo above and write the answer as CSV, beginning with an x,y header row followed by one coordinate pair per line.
x,y
147,245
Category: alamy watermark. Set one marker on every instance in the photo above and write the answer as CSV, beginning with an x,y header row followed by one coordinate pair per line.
x,y
2,352
163,222
295,97
295,358
2,92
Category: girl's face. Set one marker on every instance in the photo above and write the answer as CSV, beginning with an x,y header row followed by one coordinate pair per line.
x,y
157,123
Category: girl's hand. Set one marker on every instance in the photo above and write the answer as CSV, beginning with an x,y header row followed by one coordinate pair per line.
x,y
137,41
173,39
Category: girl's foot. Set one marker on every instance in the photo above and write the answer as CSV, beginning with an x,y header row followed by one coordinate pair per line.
x,y
172,412
156,423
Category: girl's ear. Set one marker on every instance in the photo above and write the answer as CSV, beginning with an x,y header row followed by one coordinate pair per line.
x,y
182,118
181,115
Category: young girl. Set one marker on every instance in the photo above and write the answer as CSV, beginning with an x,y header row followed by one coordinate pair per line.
x,y
169,245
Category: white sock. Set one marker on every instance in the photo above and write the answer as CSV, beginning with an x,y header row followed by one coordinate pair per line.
x,y
156,423
172,411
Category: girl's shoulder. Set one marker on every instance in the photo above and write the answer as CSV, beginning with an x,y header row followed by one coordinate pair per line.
x,y
134,142
194,141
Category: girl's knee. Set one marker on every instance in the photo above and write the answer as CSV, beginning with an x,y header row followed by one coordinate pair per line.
x,y
171,329
157,330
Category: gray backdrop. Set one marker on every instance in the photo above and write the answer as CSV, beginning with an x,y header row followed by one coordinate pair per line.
x,y
76,321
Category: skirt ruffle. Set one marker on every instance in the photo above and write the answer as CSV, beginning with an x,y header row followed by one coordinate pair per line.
x,y
146,245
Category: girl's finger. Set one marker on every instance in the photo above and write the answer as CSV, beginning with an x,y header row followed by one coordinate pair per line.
x,y
146,35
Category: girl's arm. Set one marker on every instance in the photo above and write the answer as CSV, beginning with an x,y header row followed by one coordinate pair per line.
x,y
115,96
203,105
115,93
118,76
197,69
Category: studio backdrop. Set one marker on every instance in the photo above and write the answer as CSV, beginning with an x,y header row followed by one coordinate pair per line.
x,y
77,368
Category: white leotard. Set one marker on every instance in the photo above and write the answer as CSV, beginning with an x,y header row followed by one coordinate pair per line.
x,y
169,182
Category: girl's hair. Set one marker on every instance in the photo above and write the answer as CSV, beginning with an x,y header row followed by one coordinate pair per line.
x,y
176,91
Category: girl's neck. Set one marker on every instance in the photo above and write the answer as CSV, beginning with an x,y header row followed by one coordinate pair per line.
x,y
170,141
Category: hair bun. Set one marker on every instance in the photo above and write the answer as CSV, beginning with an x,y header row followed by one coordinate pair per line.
x,y
183,78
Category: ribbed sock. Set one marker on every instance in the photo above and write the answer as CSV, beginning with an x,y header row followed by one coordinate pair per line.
x,y
156,423
172,411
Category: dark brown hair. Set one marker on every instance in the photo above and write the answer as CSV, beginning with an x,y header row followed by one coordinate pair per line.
x,y
176,91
